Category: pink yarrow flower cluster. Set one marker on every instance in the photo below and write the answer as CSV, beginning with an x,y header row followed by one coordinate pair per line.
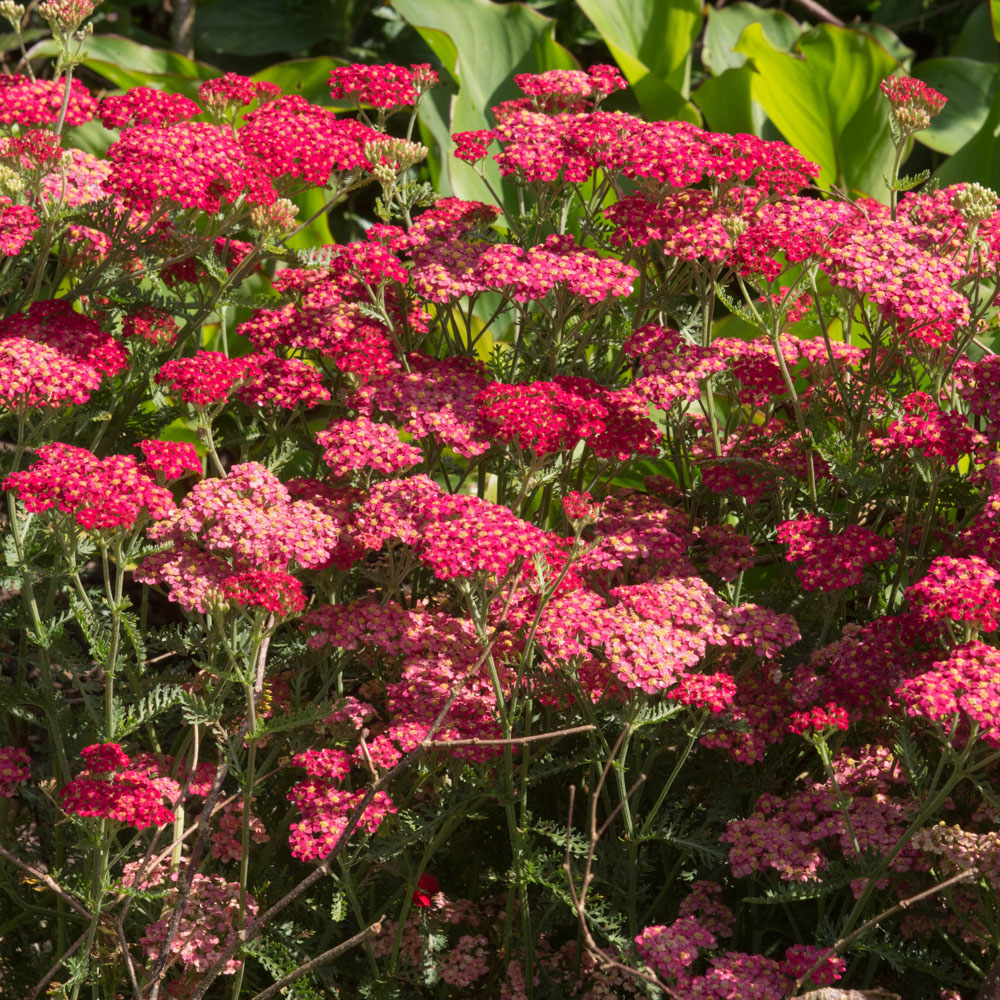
x,y
14,770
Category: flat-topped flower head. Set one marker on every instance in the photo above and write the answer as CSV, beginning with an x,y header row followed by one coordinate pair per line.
x,y
569,90
38,102
247,522
828,561
14,770
145,106
173,459
35,376
384,87
352,445
17,225
208,377
56,324
105,758
297,143
541,417
213,912
961,590
127,796
108,493
188,164
271,590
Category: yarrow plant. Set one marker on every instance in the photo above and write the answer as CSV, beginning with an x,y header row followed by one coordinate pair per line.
x,y
462,611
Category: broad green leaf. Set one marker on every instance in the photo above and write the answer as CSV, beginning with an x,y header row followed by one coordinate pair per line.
x,y
825,99
8,41
726,24
128,64
317,233
995,18
977,39
260,27
977,159
481,45
91,137
135,58
889,41
306,77
651,41
727,104
970,87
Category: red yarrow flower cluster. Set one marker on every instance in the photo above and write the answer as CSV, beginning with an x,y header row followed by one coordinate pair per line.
x,y
272,590
829,561
231,91
38,102
17,224
542,417
145,106
385,86
108,493
206,378
127,796
54,323
190,164
964,684
172,459
35,375
932,432
105,758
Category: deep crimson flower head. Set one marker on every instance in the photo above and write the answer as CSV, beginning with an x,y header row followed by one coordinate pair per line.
x,y
153,325
273,590
606,79
473,146
292,138
103,758
128,797
800,958
107,492
191,164
386,86
38,102
56,324
933,432
827,561
206,378
818,719
581,506
172,458
145,106
541,417
427,886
